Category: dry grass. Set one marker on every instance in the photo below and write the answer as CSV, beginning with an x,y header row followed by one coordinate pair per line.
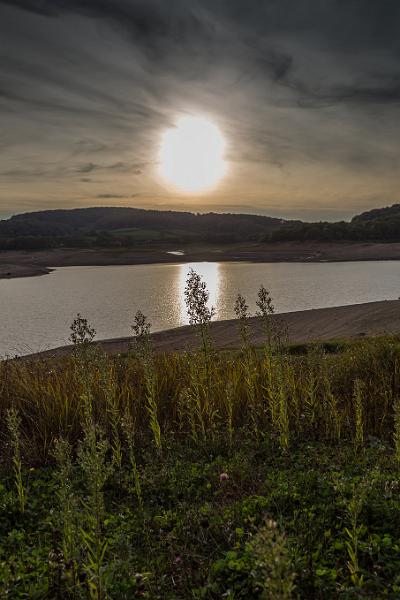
x,y
317,394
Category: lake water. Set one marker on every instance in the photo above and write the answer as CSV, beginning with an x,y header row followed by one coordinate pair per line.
x,y
36,312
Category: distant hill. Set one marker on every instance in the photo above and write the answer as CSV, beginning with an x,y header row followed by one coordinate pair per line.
x,y
119,226
378,214
377,225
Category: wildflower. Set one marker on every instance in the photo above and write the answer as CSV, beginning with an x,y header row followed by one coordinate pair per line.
x,y
271,524
178,560
224,477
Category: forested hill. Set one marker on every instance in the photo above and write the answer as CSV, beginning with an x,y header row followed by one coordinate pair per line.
x,y
377,225
386,214
113,227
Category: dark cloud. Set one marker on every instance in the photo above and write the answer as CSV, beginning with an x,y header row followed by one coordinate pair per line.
x,y
306,91
261,31
59,170
148,19
89,167
112,196
21,172
88,147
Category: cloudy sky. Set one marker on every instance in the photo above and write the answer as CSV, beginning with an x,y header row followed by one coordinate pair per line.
x,y
306,93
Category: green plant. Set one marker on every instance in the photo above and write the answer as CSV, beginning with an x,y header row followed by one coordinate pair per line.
x,y
249,363
273,569
200,314
14,429
358,396
242,314
82,334
311,387
92,460
195,401
354,532
334,420
109,386
396,432
129,430
141,328
265,309
284,433
229,396
68,513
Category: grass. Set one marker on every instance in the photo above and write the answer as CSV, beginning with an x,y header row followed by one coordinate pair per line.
x,y
267,473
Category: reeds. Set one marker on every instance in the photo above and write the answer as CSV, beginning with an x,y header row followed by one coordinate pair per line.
x,y
262,391
14,430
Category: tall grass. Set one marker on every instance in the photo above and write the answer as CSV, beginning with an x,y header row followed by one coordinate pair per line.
x,y
318,394
144,351
14,430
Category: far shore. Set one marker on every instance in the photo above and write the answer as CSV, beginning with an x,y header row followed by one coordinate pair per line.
x,y
354,321
23,263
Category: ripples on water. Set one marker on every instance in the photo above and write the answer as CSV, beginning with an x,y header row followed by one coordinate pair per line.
x,y
36,312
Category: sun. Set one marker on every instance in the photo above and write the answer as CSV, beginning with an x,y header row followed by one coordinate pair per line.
x,y
192,155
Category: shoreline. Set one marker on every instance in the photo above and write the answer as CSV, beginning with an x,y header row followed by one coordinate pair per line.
x,y
20,263
353,321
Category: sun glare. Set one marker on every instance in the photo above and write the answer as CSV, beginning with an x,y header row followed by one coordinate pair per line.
x,y
192,155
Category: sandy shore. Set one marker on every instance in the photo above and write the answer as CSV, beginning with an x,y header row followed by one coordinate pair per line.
x,y
26,264
350,322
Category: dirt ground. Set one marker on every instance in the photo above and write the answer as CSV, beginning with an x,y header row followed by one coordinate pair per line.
x,y
342,322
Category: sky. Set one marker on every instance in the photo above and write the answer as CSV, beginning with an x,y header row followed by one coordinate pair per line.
x,y
306,94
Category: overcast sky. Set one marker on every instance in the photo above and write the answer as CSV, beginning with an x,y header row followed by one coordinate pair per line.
x,y
306,93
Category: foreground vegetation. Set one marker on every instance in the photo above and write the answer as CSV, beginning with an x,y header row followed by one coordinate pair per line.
x,y
264,473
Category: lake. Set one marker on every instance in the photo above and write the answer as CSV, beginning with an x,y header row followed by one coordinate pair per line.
x,y
36,312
